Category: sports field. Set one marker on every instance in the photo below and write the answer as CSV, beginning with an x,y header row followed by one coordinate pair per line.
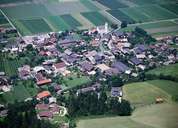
x,y
153,116
171,70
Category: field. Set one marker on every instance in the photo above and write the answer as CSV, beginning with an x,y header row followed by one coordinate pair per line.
x,y
145,93
171,70
146,114
153,116
20,92
96,18
60,15
73,81
9,66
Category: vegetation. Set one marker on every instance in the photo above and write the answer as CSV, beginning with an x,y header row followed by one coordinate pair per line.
x,y
23,115
20,92
154,116
90,104
167,71
145,93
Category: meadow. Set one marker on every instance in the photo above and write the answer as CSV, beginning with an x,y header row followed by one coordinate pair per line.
x,y
153,116
74,81
146,114
171,70
20,92
145,93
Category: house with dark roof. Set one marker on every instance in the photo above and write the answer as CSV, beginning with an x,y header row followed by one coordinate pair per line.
x,y
86,66
116,92
121,67
135,61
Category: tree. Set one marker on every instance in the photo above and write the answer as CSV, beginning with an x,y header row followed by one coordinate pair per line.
x,y
114,26
115,81
29,47
124,24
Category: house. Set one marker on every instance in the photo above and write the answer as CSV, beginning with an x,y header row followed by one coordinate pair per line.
x,y
42,107
46,114
102,67
111,72
43,94
116,92
4,85
24,72
86,66
134,61
41,80
121,67
59,67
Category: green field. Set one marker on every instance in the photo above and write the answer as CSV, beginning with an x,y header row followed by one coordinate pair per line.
x,y
3,20
20,92
9,66
73,81
58,23
71,21
89,5
121,16
154,116
32,26
115,4
148,13
60,15
96,18
171,70
145,93
171,7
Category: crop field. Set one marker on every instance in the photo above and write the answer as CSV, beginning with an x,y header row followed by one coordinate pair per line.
x,y
153,116
121,16
171,70
171,7
148,13
71,21
145,93
96,18
115,4
60,15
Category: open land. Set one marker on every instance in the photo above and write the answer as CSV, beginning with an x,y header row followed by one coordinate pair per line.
x,y
69,14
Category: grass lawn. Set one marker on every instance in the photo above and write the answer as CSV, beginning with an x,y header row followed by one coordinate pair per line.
x,y
154,116
145,93
20,92
73,81
166,70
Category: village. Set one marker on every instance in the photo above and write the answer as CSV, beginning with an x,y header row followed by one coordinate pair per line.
x,y
83,61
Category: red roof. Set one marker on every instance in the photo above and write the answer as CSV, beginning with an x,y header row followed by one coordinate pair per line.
x,y
59,65
46,81
43,94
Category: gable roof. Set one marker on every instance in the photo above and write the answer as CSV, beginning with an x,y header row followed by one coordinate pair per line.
x,y
59,65
120,66
43,94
